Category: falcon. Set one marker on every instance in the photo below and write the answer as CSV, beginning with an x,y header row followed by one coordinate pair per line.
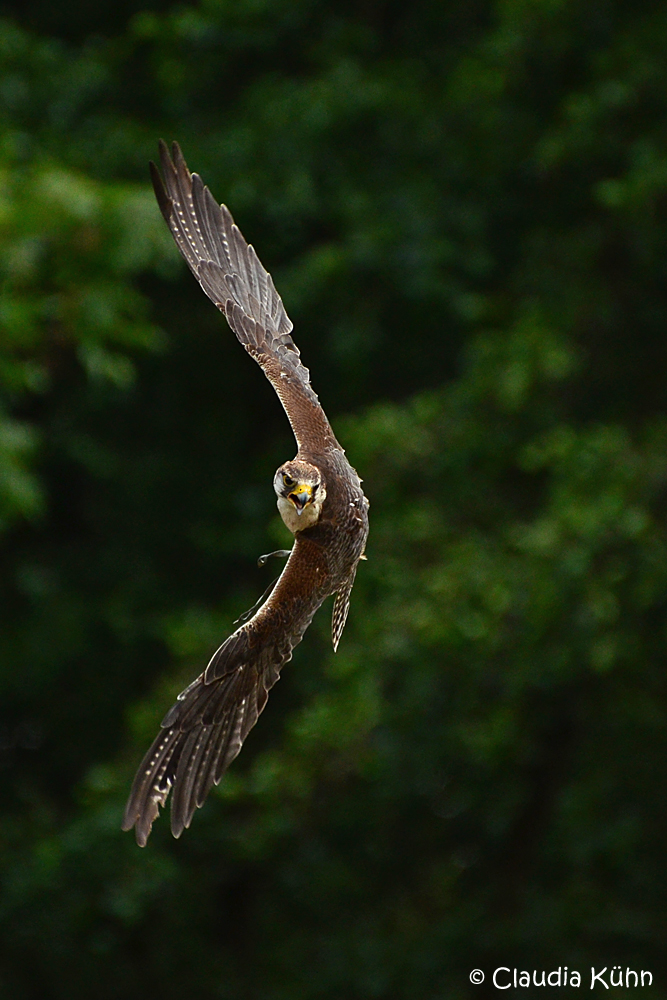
x,y
319,497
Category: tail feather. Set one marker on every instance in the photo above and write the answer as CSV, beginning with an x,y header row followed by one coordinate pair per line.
x,y
340,609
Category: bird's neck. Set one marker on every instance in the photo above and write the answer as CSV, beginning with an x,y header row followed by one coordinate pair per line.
x,y
297,522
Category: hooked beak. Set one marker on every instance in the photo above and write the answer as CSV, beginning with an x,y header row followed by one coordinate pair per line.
x,y
301,496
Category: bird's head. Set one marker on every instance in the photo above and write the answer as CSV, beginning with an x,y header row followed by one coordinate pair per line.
x,y
300,491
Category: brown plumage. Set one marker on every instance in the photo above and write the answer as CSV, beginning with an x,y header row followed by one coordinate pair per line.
x,y
319,497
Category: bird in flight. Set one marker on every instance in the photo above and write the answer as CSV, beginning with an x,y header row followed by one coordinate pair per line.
x,y
320,499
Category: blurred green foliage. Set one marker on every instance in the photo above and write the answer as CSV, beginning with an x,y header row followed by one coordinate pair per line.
x,y
464,207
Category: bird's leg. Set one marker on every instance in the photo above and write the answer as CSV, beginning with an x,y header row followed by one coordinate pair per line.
x,y
279,554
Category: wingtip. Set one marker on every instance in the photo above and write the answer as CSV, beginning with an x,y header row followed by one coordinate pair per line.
x,y
143,827
178,826
141,835
164,201
179,160
165,158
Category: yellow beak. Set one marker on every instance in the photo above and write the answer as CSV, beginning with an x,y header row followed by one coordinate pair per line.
x,y
300,496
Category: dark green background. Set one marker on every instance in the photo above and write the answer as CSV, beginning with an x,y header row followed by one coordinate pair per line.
x,y
464,206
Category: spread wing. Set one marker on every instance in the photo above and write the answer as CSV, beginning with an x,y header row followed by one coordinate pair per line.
x,y
204,730
230,273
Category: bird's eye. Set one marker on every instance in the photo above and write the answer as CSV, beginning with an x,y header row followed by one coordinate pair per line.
x,y
288,481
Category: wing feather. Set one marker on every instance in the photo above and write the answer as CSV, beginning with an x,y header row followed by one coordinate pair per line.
x,y
193,754
204,730
231,274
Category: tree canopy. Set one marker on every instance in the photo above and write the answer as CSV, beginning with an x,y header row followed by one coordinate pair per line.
x,y
464,208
